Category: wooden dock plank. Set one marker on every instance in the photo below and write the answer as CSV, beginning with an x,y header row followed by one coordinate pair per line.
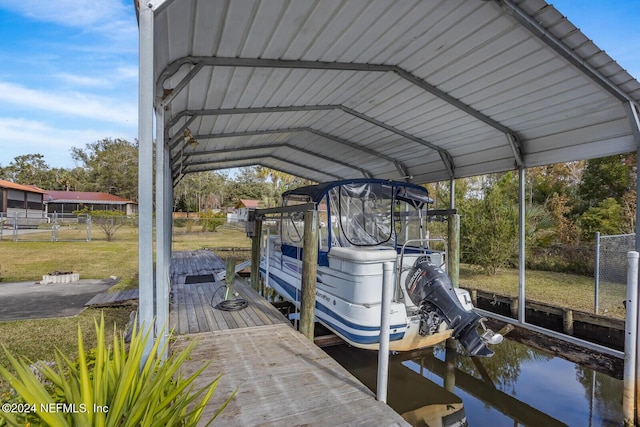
x,y
282,379
183,325
201,306
208,314
107,299
196,303
192,319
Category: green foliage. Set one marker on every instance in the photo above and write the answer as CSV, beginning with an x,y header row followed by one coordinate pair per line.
x,y
210,220
606,218
201,191
180,222
607,177
111,386
489,231
489,225
111,166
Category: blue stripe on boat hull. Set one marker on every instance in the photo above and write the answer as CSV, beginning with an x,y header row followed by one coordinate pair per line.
x,y
332,320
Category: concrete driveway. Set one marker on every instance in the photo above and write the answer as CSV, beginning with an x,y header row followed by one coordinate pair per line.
x,y
32,300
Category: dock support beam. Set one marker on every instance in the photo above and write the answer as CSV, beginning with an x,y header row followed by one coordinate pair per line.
x,y
256,238
230,277
309,273
453,241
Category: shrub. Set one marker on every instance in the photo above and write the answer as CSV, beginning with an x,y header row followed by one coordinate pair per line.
x,y
210,221
109,387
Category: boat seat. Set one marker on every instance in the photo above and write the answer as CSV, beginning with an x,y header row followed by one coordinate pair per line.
x,y
363,254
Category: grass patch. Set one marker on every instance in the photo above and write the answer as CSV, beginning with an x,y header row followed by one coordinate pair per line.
x,y
98,259
560,289
222,238
38,339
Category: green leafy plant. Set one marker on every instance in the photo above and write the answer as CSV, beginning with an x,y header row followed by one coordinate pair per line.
x,y
111,386
210,220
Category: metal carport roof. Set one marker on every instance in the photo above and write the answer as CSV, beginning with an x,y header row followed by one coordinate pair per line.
x,y
399,89
389,89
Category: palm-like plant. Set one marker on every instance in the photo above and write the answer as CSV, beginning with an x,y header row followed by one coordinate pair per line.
x,y
113,386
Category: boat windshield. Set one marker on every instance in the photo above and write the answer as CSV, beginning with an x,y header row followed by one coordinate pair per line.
x,y
374,214
355,214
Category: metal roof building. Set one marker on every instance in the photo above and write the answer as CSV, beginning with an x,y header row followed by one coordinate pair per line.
x,y
412,90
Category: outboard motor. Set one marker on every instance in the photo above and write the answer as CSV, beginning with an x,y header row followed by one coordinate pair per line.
x,y
432,292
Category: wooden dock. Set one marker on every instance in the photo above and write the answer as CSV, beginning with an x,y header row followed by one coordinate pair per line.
x,y
282,378
193,305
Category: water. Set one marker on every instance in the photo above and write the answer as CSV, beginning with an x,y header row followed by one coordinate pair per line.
x,y
518,386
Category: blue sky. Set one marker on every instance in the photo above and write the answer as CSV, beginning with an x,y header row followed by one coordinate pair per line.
x,y
69,68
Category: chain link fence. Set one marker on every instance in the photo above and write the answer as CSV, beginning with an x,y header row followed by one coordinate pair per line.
x,y
611,270
59,228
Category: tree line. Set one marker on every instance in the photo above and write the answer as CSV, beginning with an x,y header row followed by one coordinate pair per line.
x,y
566,203
111,166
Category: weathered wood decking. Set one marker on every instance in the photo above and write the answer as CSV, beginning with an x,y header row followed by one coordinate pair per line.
x,y
106,299
282,378
193,306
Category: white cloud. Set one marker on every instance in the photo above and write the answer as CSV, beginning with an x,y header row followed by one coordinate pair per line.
x,y
70,104
106,16
127,73
86,81
22,136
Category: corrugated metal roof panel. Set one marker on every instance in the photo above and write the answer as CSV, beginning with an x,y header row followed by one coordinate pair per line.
x,y
392,88
21,187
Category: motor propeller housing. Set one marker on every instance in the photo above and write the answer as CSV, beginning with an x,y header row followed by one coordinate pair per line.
x,y
431,290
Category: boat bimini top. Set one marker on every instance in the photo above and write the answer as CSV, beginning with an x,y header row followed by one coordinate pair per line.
x,y
361,212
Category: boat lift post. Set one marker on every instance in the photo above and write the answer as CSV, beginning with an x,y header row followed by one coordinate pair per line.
x,y
309,256
309,273
253,229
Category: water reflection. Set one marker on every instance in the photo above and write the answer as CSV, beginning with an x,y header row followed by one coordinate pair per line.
x,y
519,386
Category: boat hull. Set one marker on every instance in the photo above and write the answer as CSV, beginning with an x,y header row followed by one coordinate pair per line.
x,y
349,304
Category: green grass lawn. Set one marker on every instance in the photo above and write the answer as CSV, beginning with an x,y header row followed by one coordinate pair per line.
x,y
28,260
560,289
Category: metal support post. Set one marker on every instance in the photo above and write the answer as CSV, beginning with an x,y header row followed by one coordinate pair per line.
x,y
145,174
453,251
521,246
596,274
630,341
254,231
385,327
267,263
163,242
